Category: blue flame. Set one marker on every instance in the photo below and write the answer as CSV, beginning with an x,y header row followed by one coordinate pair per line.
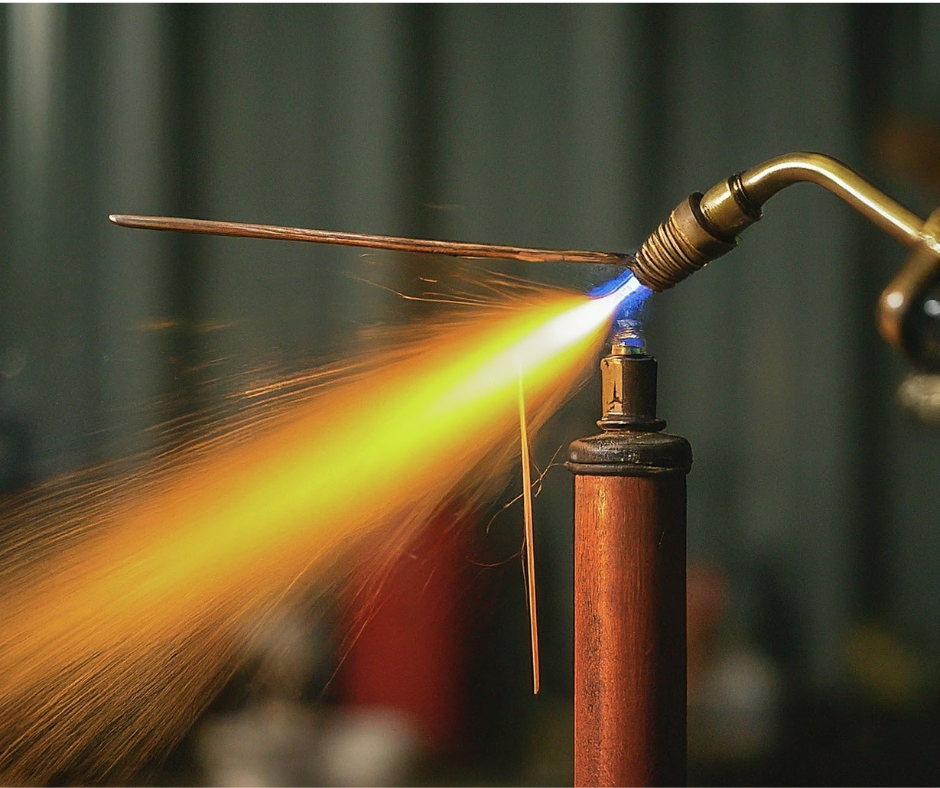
x,y
633,294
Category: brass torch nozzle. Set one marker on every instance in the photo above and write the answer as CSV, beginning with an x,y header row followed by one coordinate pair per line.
x,y
705,226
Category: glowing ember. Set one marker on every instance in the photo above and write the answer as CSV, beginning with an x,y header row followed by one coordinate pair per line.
x,y
125,608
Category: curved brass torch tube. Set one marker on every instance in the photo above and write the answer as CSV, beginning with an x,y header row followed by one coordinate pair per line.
x,y
704,227
762,182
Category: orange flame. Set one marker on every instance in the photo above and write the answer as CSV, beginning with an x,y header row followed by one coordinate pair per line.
x,y
112,642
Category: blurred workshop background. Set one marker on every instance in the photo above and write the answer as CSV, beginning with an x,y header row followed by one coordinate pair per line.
x,y
814,535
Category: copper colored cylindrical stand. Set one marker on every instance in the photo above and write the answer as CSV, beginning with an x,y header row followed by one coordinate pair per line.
x,y
630,587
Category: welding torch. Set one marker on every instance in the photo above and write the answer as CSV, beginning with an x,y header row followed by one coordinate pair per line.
x,y
702,228
706,226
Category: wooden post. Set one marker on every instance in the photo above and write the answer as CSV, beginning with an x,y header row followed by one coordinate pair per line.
x,y
630,590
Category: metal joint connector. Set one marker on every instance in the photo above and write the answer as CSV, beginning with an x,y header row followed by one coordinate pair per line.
x,y
679,247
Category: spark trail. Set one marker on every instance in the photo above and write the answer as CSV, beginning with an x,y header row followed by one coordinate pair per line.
x,y
126,609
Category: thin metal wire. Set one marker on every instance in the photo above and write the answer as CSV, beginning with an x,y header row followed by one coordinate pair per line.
x,y
529,536
416,245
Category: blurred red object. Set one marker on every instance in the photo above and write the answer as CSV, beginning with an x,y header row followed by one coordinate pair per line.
x,y
410,657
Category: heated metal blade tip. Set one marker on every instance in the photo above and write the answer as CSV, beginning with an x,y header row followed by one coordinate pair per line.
x,y
132,220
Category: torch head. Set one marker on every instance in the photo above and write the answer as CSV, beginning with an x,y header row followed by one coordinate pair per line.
x,y
705,226
702,228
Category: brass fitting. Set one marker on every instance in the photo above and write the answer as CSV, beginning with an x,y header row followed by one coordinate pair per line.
x,y
628,383
685,242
